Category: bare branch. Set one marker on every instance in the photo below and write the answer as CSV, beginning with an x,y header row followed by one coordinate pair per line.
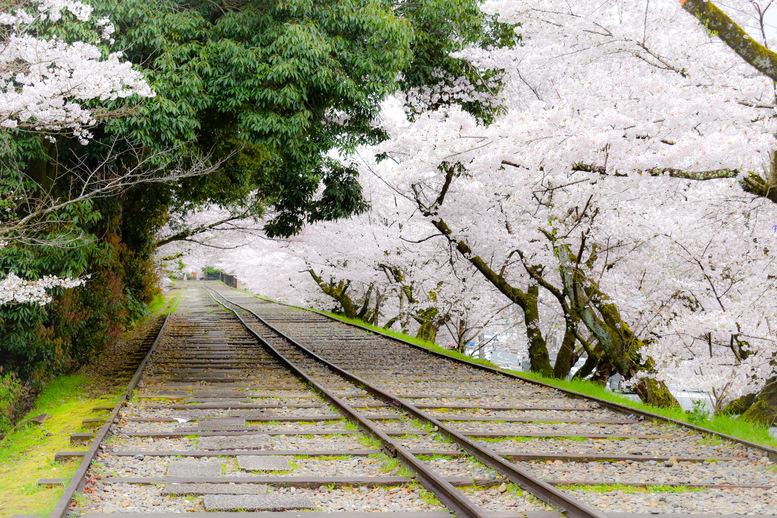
x,y
186,234
117,172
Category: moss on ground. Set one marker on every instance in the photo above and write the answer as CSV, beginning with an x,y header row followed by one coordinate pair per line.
x,y
27,453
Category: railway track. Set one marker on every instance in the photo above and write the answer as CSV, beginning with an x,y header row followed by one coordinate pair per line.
x,y
249,405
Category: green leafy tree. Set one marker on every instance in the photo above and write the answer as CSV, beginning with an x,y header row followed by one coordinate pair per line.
x,y
271,88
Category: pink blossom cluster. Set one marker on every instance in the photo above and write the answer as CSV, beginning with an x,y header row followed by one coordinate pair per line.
x,y
43,82
14,289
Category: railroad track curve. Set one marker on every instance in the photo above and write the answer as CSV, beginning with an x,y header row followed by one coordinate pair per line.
x,y
246,404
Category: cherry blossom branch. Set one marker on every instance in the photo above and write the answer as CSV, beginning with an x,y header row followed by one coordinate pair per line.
x,y
210,245
712,174
15,290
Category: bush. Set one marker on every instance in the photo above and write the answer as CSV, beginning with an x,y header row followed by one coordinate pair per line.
x,y
12,392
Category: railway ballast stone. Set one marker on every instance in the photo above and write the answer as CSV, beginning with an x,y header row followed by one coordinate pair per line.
x,y
221,424
194,468
252,414
256,502
264,463
235,442
214,489
225,402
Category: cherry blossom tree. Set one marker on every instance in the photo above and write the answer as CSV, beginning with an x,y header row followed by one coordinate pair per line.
x,y
616,168
46,81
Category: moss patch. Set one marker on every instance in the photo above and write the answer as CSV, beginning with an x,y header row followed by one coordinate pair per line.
x,y
27,453
611,488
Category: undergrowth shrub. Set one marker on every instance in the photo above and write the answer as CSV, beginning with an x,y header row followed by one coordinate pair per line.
x,y
40,342
12,392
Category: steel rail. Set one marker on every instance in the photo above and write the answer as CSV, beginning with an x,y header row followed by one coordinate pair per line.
x,y
444,490
538,487
612,405
78,481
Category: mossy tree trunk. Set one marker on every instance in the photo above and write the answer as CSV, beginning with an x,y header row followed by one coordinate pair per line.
x,y
430,321
338,291
655,393
721,25
619,344
763,407
566,354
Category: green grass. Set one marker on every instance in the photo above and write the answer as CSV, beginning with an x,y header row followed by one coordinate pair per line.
x,y
610,488
157,303
388,464
370,442
27,453
426,496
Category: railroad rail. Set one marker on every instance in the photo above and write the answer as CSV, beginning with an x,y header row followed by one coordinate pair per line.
x,y
248,405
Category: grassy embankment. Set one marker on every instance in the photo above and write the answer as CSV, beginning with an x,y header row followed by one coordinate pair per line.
x,y
27,452
719,423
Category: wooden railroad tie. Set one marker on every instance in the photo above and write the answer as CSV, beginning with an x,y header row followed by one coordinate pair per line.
x,y
62,456
80,438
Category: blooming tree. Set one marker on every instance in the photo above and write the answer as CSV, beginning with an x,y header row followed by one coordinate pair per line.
x,y
46,81
611,185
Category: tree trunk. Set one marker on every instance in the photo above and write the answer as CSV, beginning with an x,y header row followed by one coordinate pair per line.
x,y
618,342
364,312
380,296
337,292
764,407
538,350
609,331
655,393
461,336
564,357
431,321
740,405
